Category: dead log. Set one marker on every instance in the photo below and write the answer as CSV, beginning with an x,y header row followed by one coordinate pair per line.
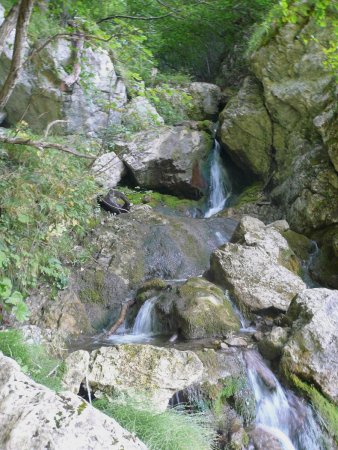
x,y
122,317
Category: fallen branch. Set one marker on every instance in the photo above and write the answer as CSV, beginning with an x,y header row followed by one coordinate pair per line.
x,y
41,145
122,317
51,124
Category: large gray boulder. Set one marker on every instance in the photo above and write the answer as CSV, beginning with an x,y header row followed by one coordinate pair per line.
x,y
140,114
168,159
312,350
205,99
140,371
108,170
257,266
88,106
33,418
199,309
246,130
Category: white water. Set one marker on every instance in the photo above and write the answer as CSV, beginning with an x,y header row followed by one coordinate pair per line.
x,y
220,186
145,322
278,412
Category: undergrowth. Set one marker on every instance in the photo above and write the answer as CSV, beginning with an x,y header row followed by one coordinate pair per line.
x,y
33,359
46,208
173,429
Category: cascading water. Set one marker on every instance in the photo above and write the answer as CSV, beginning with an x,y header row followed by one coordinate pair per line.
x,y
278,412
220,186
146,321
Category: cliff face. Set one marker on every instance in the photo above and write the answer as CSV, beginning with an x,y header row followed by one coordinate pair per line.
x,y
297,140
43,94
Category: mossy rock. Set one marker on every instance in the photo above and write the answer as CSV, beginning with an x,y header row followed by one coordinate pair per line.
x,y
300,244
324,267
202,310
149,289
251,194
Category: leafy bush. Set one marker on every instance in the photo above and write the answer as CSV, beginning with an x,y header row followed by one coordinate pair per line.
x,y
170,430
46,207
33,359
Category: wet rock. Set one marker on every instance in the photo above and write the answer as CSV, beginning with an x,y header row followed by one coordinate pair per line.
x,y
199,309
108,170
206,98
311,352
300,244
236,341
255,267
264,439
43,419
324,262
168,159
144,370
140,114
246,131
272,344
255,363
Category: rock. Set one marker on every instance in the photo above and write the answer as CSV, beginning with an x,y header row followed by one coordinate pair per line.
x,y
300,244
42,93
140,114
324,261
168,159
108,170
206,98
245,130
264,438
311,351
272,344
76,369
237,341
253,267
43,419
144,370
256,364
65,315
199,309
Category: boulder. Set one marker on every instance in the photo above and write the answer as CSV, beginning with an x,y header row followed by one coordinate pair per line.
x,y
139,371
272,344
140,114
199,309
88,107
108,170
206,99
34,417
256,267
168,159
246,131
311,351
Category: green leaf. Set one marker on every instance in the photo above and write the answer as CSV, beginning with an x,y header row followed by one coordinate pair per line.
x,y
3,259
23,218
5,287
15,298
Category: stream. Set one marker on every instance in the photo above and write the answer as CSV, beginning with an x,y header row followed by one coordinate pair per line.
x,y
280,414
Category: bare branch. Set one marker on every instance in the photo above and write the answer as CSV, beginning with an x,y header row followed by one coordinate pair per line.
x,y
40,145
122,317
122,16
51,124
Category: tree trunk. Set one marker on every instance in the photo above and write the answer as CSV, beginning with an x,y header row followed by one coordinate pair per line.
x,y
25,11
7,26
71,79
122,317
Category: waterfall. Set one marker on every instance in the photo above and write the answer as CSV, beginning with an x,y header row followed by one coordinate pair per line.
x,y
146,321
220,186
278,412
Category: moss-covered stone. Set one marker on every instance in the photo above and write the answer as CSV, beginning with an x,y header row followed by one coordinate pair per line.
x,y
250,194
300,244
149,288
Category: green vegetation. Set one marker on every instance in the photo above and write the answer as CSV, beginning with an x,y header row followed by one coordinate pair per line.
x,y
46,207
324,13
170,430
250,194
326,410
33,359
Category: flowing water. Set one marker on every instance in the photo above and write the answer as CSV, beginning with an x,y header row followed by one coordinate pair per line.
x,y
279,412
220,186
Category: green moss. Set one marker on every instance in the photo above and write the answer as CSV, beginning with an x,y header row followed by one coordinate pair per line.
x,y
327,410
146,290
138,197
300,244
251,194
289,260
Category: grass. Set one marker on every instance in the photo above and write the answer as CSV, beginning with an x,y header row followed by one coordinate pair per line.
x,y
169,430
33,359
